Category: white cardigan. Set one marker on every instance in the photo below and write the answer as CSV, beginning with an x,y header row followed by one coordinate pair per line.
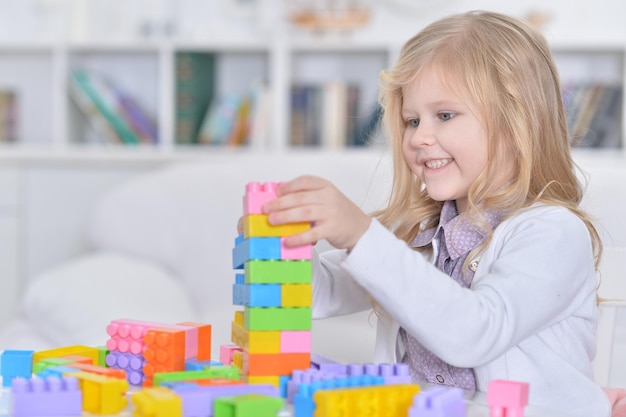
x,y
529,314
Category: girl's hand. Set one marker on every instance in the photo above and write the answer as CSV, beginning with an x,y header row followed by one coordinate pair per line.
x,y
314,200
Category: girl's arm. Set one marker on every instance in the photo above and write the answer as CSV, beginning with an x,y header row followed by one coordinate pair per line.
x,y
335,292
538,272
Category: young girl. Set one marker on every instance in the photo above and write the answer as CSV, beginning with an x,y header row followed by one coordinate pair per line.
x,y
482,266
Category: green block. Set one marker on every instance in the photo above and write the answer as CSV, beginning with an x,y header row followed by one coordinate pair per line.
x,y
277,318
247,405
229,372
278,272
102,356
48,362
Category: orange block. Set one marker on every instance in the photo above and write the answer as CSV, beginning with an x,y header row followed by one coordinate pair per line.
x,y
271,364
79,359
164,351
99,370
204,339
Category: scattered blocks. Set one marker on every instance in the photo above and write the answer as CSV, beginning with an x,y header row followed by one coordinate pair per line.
x,y
15,363
45,397
507,398
79,350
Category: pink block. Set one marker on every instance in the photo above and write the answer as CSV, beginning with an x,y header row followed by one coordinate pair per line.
x,y
507,398
295,342
256,195
295,253
227,352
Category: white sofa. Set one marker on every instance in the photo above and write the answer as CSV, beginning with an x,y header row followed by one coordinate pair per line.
x,y
159,248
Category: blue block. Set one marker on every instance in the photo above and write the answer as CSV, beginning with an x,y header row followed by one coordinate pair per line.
x,y
16,363
263,248
257,295
56,371
196,365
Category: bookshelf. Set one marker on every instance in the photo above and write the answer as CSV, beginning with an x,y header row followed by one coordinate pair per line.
x,y
265,70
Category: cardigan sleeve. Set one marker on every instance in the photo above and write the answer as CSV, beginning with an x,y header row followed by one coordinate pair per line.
x,y
537,270
335,292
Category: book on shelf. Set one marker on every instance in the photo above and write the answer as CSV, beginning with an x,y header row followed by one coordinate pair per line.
x,y
8,116
195,84
114,114
237,119
594,114
325,115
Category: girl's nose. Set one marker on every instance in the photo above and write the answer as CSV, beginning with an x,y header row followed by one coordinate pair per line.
x,y
422,136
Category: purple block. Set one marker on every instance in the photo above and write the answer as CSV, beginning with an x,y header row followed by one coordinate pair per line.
x,y
327,365
51,396
198,400
128,362
439,402
305,377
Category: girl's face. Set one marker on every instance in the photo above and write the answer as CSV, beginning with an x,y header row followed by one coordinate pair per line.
x,y
444,143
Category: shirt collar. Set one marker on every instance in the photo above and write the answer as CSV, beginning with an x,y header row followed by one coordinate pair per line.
x,y
459,233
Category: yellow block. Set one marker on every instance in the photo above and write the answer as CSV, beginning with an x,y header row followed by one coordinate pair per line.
x,y
156,402
256,225
89,352
238,360
255,341
374,401
253,379
239,317
296,295
102,395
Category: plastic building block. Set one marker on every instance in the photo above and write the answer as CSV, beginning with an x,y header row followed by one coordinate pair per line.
x,y
80,350
203,339
46,363
278,272
198,401
271,364
275,380
256,195
80,359
378,401
226,353
271,318
238,360
296,295
229,372
295,342
256,295
439,402
206,382
257,225
247,405
327,365
46,397
131,364
15,363
56,371
102,395
296,252
196,365
507,398
264,248
303,404
98,370
164,352
103,351
397,373
156,402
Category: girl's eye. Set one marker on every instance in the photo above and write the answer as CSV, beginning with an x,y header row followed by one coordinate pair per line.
x,y
414,122
446,116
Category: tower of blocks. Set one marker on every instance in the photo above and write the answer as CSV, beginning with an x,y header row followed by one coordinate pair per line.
x,y
273,285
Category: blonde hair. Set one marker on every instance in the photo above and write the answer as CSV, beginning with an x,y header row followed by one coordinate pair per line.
x,y
504,70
